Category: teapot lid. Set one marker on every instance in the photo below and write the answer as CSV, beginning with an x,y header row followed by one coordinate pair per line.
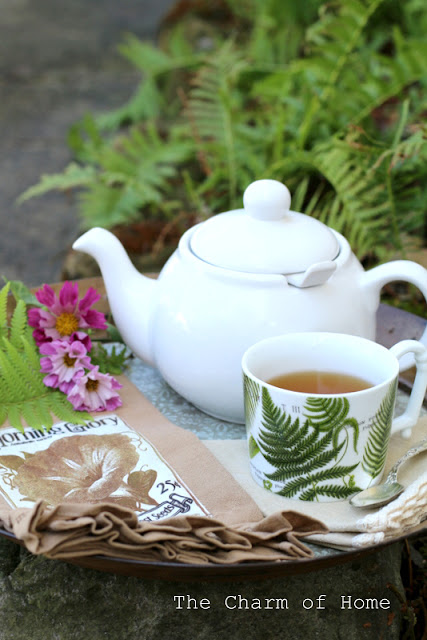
x,y
265,236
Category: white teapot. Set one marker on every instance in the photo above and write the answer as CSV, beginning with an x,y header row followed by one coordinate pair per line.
x,y
234,279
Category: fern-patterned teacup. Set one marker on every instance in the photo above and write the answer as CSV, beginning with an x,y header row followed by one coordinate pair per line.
x,y
325,447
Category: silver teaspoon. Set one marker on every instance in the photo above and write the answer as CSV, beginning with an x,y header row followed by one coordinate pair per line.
x,y
382,494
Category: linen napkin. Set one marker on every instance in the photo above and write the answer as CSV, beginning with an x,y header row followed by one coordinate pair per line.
x,y
133,485
348,526
77,530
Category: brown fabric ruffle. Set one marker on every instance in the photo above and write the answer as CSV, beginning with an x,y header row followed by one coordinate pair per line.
x,y
76,530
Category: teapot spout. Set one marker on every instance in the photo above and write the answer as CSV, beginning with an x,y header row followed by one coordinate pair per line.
x,y
131,295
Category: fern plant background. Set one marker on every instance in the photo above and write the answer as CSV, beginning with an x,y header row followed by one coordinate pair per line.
x,y
327,97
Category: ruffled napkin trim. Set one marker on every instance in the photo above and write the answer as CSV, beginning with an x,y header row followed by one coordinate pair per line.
x,y
76,530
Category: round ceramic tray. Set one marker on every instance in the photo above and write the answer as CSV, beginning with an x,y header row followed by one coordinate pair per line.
x,y
393,325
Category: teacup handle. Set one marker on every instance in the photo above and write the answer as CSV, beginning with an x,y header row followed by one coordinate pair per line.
x,y
409,418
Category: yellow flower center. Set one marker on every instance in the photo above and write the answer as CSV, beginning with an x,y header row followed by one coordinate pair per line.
x,y
92,385
69,361
66,324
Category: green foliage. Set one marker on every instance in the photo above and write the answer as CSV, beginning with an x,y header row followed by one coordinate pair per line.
x,y
23,395
253,447
327,97
138,170
109,361
21,292
300,453
252,395
375,452
330,414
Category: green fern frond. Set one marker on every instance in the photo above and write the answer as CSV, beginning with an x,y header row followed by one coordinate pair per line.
x,y
133,175
330,414
294,467
32,355
213,109
23,395
253,447
342,32
3,310
146,102
251,396
149,98
333,473
22,292
151,60
274,418
375,452
73,176
301,450
18,325
298,451
338,492
327,413
306,93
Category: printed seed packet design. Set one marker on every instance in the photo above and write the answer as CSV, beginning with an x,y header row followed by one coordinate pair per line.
x,y
103,460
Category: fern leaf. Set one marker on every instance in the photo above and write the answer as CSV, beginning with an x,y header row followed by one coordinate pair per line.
x,y
253,447
3,413
137,172
375,452
145,56
23,395
211,111
19,371
338,492
31,354
290,469
301,454
29,413
63,409
18,324
14,415
331,414
3,310
251,397
73,176
146,103
337,472
342,31
11,381
21,292
327,413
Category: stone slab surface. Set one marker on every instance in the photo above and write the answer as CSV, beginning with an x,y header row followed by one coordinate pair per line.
x,y
46,599
58,60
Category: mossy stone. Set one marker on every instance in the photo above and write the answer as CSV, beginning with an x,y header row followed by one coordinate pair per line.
x,y
46,599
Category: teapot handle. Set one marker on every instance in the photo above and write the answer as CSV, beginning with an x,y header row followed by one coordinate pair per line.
x,y
405,270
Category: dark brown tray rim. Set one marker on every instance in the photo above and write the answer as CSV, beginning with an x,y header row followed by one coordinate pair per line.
x,y
186,572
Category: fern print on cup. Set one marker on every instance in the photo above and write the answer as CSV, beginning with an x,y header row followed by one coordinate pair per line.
x,y
324,445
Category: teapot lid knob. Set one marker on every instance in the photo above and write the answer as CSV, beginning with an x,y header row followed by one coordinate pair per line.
x,y
267,237
267,200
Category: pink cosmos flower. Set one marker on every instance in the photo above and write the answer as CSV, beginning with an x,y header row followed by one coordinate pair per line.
x,y
95,391
63,361
64,315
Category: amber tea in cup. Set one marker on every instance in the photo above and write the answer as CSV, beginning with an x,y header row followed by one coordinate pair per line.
x,y
317,443
314,381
